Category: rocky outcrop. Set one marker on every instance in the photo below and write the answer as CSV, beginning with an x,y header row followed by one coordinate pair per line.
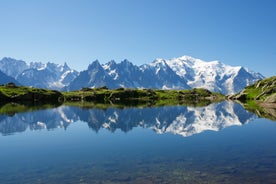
x,y
263,90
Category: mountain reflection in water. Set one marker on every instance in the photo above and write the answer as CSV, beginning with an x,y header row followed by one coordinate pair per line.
x,y
181,120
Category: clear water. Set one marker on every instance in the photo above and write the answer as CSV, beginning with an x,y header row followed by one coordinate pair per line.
x,y
219,143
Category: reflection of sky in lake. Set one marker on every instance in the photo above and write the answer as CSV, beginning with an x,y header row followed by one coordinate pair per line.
x,y
236,154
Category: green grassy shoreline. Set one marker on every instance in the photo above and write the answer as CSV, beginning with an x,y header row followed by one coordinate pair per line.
x,y
119,95
13,93
259,98
21,99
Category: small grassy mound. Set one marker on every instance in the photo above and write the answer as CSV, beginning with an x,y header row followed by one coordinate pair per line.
x,y
11,92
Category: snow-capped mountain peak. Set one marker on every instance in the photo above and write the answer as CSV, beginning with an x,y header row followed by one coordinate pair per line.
x,y
158,61
213,75
109,64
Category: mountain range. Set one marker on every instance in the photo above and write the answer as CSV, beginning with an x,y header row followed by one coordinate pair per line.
x,y
178,73
37,74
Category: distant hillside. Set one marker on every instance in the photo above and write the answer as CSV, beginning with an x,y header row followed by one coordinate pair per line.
x,y
264,90
4,79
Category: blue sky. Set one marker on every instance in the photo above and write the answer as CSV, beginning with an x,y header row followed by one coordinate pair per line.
x,y
235,32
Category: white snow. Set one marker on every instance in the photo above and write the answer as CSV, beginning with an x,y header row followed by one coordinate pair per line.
x,y
210,75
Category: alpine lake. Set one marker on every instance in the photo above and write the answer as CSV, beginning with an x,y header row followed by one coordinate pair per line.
x,y
217,143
